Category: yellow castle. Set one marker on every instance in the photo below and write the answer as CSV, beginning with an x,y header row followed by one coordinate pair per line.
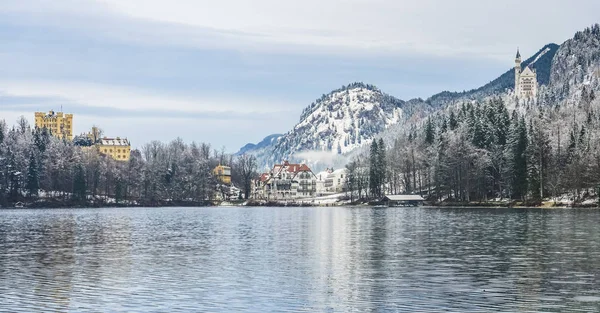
x,y
59,124
117,148
223,174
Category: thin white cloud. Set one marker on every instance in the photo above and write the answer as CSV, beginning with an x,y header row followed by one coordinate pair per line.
x,y
479,28
428,26
107,96
221,121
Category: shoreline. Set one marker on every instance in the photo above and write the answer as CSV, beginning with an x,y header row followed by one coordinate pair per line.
x,y
69,204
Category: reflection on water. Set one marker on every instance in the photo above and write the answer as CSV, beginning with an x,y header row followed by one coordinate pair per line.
x,y
300,259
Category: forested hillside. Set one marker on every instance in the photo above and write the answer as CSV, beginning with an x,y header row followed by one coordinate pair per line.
x,y
349,117
500,148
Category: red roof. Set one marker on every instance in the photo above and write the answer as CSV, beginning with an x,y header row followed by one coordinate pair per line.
x,y
264,177
291,168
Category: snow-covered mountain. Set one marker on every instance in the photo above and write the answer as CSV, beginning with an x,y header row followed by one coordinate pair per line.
x,y
342,120
336,123
576,65
350,117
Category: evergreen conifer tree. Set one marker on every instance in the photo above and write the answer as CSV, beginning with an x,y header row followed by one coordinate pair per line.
x,y
374,169
14,177
79,184
520,160
516,169
381,164
429,132
119,190
33,179
453,123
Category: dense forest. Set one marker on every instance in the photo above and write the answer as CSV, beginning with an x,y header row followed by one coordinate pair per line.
x,y
500,147
42,170
484,151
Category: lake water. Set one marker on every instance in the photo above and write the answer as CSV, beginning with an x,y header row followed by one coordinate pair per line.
x,y
300,260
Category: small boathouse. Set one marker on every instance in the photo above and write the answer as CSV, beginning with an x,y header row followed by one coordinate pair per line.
x,y
403,200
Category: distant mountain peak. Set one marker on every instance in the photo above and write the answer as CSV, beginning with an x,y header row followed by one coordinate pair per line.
x,y
251,147
339,122
356,85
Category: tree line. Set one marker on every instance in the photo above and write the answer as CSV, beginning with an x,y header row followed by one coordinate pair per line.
x,y
483,151
37,167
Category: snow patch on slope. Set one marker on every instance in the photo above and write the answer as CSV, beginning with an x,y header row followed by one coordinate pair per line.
x,y
341,118
540,55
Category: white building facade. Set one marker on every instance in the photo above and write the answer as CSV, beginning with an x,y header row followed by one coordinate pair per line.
x,y
526,85
336,181
286,181
332,181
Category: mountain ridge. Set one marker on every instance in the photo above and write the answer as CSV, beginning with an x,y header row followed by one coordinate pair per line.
x,y
542,58
261,144
304,137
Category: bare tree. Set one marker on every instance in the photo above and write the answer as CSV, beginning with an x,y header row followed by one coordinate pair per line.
x,y
245,167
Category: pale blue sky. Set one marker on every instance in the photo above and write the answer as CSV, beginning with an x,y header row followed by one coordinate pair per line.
x,y
233,71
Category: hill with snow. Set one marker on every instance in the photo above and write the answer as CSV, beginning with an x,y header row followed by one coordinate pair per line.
x,y
337,124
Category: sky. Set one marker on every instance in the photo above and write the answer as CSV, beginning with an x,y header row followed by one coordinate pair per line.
x,y
230,72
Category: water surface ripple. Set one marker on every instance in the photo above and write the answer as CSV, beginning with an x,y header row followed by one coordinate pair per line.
x,y
299,260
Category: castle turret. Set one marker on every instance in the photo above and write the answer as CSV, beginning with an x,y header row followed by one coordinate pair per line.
x,y
526,84
517,72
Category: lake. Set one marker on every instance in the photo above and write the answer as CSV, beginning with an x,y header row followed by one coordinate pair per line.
x,y
300,260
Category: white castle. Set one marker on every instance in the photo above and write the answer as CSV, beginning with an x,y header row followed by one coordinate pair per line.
x,y
526,85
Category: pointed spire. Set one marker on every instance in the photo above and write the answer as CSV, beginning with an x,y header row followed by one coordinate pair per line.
x,y
518,53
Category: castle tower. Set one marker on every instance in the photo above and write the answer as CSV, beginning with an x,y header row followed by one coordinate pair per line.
x,y
58,123
517,72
